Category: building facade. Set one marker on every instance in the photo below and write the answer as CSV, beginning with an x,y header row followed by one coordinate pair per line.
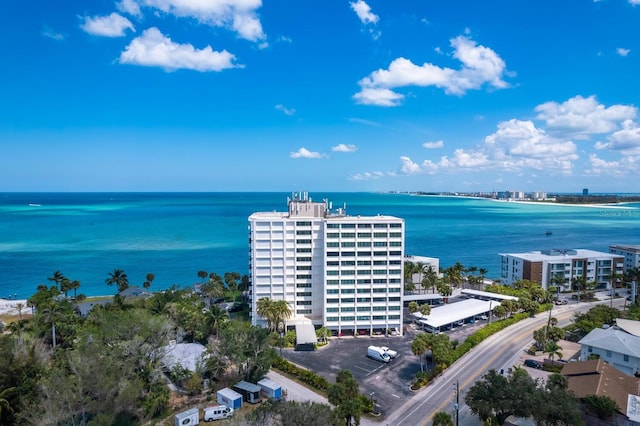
x,y
631,254
560,267
334,270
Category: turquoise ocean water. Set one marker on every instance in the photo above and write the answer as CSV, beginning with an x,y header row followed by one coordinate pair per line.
x,y
174,235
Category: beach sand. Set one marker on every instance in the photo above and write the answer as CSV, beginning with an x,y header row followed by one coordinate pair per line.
x,y
9,307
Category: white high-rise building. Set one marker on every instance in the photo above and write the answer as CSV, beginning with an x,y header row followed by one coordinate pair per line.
x,y
334,270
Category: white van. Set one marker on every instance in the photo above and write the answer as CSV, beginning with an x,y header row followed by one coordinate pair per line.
x,y
374,352
217,412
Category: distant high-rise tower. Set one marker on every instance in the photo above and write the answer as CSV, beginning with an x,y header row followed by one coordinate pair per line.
x,y
585,192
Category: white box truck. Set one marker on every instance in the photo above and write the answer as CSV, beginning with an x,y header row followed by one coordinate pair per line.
x,y
374,352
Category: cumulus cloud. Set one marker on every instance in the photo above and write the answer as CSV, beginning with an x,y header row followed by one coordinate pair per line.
x,y
622,51
581,116
344,148
285,110
113,25
131,7
305,153
480,66
366,176
624,167
239,15
363,10
626,140
433,145
154,49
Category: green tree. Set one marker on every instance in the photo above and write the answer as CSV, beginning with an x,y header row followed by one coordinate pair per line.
x,y
344,395
425,309
413,307
149,279
119,278
214,287
500,311
291,413
52,314
418,348
442,418
215,316
601,405
57,278
553,349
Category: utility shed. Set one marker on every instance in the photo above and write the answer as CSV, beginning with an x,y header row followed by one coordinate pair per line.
x,y
229,398
250,392
306,337
190,417
270,389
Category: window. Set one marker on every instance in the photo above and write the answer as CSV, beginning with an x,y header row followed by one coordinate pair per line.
x,y
303,277
303,294
348,282
348,300
364,234
395,234
303,232
380,253
379,290
348,226
380,281
590,349
332,319
379,308
331,245
364,272
303,250
347,291
303,259
379,317
380,235
379,299
303,268
380,244
364,281
364,290
348,309
333,254
333,263
303,223
364,263
379,272
395,225
333,234
626,358
332,291
364,243
608,354
394,308
394,317
332,309
347,318
395,253
348,263
348,272
380,225
364,225
348,235
348,244
395,244
303,241
380,262
348,254
303,285
364,317
333,225
364,253
364,308
364,299
333,272
332,300
303,302
303,311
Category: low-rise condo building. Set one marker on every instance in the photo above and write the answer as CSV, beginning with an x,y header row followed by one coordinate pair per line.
x,y
560,267
631,254
343,272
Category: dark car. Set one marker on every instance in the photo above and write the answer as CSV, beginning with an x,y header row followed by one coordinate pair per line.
x,y
532,363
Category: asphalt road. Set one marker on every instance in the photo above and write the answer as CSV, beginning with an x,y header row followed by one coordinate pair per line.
x,y
500,351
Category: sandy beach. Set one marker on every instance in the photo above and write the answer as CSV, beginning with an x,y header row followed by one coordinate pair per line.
x,y
9,307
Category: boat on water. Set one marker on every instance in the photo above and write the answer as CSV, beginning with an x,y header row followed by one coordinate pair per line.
x,y
548,233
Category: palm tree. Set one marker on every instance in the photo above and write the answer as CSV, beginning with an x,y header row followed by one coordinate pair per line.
x,y
213,288
149,279
430,278
57,277
418,348
613,279
74,285
633,276
553,349
322,333
264,308
483,272
282,312
580,283
119,278
52,312
215,317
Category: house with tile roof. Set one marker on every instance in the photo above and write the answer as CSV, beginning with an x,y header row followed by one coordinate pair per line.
x,y
614,346
596,377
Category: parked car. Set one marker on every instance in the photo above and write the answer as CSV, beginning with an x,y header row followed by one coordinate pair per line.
x,y
392,354
484,317
561,302
532,363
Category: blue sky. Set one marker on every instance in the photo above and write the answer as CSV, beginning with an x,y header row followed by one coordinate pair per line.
x,y
375,95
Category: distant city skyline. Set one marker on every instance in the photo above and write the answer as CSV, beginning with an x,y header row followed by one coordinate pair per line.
x,y
237,95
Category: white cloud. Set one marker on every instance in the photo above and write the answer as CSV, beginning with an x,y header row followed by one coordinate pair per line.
x,y
285,110
622,51
344,148
48,32
634,2
131,7
363,10
626,140
624,167
305,153
366,176
433,145
154,49
480,65
113,25
580,116
238,15
365,122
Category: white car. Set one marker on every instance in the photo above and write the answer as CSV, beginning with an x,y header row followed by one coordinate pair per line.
x,y
392,354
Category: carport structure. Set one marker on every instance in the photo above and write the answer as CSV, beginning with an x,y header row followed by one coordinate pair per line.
x,y
454,314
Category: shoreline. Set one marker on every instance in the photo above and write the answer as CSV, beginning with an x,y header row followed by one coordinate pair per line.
x,y
619,205
9,307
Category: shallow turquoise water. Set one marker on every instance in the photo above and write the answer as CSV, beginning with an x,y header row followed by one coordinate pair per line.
x,y
174,235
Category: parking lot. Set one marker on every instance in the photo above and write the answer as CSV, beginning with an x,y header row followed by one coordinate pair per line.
x,y
389,382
